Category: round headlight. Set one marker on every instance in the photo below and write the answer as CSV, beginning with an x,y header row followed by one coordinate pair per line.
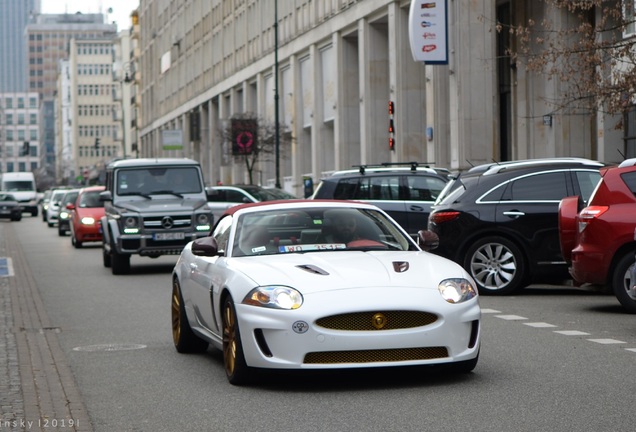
x,y
88,220
130,222
203,219
277,297
457,290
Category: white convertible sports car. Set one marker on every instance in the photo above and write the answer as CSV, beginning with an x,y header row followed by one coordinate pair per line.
x,y
313,284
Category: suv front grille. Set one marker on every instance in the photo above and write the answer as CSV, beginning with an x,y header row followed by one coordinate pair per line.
x,y
178,221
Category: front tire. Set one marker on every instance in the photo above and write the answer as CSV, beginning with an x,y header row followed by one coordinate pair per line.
x,y
185,341
621,282
120,263
236,369
497,265
76,243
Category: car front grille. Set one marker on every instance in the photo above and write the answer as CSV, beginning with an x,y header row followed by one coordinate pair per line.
x,y
157,222
375,356
370,321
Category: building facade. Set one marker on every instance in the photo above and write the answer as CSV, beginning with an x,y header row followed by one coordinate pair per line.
x,y
19,132
330,68
48,42
14,16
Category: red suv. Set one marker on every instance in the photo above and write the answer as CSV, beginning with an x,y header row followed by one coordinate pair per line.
x,y
598,240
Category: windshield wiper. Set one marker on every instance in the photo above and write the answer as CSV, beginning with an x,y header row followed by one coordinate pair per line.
x,y
136,194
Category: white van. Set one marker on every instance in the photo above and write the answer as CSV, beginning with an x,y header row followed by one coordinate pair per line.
x,y
22,186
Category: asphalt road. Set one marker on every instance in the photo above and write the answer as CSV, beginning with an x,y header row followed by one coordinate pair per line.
x,y
553,359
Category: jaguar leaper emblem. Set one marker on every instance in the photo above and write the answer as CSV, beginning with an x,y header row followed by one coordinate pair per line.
x,y
379,321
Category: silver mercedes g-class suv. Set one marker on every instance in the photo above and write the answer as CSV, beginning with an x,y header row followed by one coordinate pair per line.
x,y
153,207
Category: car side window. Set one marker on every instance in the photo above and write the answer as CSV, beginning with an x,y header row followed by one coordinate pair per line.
x,y
384,188
348,189
235,196
587,181
423,188
540,187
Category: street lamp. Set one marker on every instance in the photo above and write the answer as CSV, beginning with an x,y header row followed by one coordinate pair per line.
x,y
277,127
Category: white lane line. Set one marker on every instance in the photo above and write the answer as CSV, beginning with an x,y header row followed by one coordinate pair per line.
x,y
571,333
490,311
631,349
539,325
606,341
511,317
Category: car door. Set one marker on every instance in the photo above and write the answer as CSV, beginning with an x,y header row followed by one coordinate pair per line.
x,y
529,210
202,282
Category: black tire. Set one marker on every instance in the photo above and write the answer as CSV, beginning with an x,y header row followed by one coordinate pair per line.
x,y
106,258
61,231
50,224
76,243
185,341
120,263
236,369
621,281
43,216
497,265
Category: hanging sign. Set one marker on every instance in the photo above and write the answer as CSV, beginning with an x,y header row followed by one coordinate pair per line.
x,y
428,31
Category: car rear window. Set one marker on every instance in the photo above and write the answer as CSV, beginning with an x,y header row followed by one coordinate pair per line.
x,y
630,180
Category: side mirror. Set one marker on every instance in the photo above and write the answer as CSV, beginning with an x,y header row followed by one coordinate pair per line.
x,y
427,240
70,206
105,196
205,246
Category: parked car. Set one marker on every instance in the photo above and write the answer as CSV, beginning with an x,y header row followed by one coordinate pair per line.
x,y
221,198
53,210
500,221
406,193
598,239
86,212
267,292
10,208
64,216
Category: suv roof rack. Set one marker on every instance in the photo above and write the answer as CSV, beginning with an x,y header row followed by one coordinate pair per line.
x,y
496,167
413,164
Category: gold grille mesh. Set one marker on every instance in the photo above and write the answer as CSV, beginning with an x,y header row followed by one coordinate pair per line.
x,y
371,356
363,321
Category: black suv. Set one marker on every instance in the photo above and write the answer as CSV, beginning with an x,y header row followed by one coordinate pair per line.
x,y
406,193
500,220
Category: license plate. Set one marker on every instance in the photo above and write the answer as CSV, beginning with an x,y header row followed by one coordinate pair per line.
x,y
169,236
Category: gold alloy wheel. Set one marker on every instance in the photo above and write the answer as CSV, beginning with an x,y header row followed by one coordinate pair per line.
x,y
176,312
229,338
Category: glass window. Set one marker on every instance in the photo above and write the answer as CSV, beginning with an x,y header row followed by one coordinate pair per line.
x,y
9,134
539,187
424,188
587,182
630,180
33,135
33,102
9,102
20,102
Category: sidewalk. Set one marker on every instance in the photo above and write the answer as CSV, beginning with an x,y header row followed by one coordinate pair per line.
x,y
37,389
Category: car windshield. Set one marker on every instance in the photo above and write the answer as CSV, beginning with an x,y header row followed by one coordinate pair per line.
x,y
147,181
18,186
319,229
90,200
7,197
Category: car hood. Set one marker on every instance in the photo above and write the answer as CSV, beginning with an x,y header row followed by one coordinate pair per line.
x,y
162,205
320,271
94,212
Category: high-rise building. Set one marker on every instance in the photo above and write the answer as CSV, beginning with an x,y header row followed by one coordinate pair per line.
x,y
19,134
49,40
14,16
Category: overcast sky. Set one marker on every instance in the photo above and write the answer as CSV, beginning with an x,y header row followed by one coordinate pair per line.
x,y
121,9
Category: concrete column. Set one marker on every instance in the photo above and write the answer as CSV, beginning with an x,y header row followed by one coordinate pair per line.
x,y
347,129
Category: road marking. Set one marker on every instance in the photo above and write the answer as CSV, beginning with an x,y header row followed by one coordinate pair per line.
x,y
571,333
490,311
539,325
6,267
607,341
511,317
631,349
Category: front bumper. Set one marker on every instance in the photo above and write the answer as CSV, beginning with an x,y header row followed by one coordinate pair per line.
x,y
148,245
280,339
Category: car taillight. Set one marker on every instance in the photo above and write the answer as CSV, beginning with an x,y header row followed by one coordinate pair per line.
x,y
441,217
588,214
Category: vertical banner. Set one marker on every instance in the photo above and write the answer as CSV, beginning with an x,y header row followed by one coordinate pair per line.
x,y
244,136
428,31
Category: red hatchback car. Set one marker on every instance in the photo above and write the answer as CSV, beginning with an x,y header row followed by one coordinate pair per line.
x,y
598,240
85,216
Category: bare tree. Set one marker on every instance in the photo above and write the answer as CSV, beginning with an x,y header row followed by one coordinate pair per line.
x,y
253,140
581,43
